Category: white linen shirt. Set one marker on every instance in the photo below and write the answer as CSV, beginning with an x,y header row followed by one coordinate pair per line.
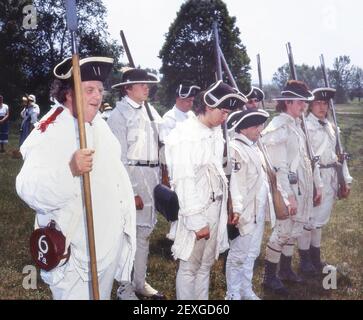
x,y
47,185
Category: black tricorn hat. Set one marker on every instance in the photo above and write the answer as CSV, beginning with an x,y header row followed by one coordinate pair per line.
x,y
323,94
255,93
134,76
166,202
92,68
186,90
247,118
295,90
221,95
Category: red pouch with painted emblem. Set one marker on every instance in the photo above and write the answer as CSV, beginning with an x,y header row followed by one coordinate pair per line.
x,y
47,247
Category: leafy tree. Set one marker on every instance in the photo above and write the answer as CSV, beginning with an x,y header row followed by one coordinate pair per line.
x,y
356,86
340,77
310,75
11,53
188,51
30,55
281,76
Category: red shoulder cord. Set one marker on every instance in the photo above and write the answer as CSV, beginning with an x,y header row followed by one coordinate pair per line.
x,y
43,125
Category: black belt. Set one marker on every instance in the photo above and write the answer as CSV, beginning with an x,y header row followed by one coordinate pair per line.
x,y
329,165
144,164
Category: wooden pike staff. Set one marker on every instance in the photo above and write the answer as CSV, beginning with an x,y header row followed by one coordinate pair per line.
x,y
71,15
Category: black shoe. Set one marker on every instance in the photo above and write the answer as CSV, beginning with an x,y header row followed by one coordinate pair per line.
x,y
286,273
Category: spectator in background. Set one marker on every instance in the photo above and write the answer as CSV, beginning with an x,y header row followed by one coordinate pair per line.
x,y
4,124
30,115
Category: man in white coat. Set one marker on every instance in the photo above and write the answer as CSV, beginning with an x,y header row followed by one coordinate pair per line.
x,y
286,144
251,200
323,141
194,155
137,128
50,183
182,110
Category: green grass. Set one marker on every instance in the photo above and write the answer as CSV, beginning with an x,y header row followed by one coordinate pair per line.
x,y
342,237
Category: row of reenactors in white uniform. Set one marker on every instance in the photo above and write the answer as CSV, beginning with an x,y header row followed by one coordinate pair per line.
x,y
50,182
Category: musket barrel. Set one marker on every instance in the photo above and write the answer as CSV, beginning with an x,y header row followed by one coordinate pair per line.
x,y
132,65
332,108
226,68
127,50
260,77
217,52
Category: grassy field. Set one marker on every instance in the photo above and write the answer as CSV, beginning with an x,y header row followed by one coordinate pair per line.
x,y
342,238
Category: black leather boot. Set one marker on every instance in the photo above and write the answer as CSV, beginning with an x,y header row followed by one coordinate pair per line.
x,y
285,272
271,281
307,268
316,260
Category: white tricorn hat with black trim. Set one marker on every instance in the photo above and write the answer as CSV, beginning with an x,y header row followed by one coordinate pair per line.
x,y
186,91
246,118
222,95
323,94
295,90
134,76
255,93
92,68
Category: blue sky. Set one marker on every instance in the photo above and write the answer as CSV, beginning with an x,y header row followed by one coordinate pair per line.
x,y
331,27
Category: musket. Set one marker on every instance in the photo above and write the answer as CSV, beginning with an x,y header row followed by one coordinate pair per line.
x,y
342,156
71,15
164,172
232,231
280,207
260,77
219,59
314,160
132,65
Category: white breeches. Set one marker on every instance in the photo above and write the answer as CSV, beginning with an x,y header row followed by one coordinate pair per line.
x,y
73,287
319,218
192,279
240,261
321,214
141,257
146,179
283,239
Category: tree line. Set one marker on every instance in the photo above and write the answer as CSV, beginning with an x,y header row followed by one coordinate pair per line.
x,y
346,78
27,57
